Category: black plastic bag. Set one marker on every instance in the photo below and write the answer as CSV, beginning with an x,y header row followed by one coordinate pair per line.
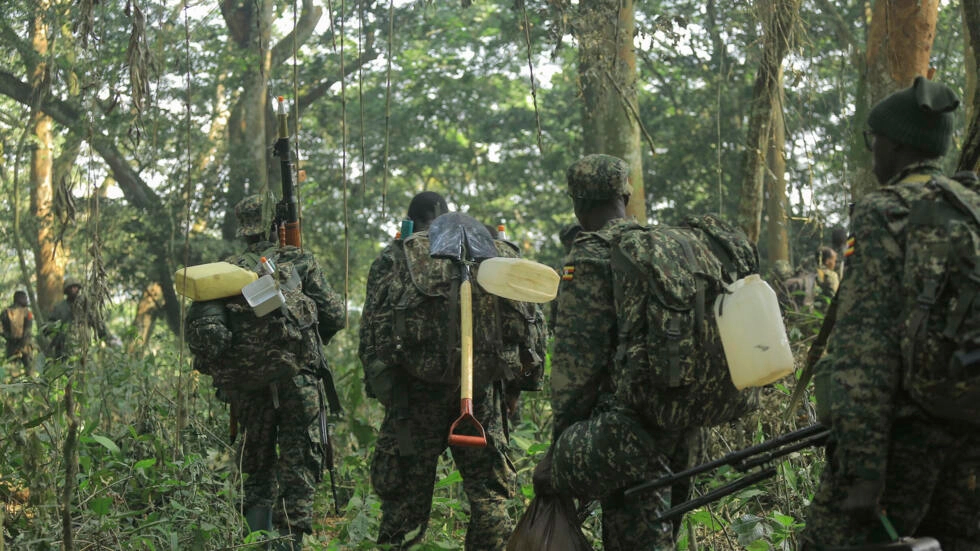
x,y
549,524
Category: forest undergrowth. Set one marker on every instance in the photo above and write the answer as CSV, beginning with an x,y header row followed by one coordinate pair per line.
x,y
142,447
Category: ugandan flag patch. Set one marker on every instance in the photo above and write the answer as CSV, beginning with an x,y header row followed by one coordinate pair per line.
x,y
850,247
568,273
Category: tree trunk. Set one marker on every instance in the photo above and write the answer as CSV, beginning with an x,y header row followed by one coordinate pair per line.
x,y
147,311
48,253
607,73
778,237
899,42
780,17
970,155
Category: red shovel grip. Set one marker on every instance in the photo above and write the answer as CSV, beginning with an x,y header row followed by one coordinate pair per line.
x,y
466,417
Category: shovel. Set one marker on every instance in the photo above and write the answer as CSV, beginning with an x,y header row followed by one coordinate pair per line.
x,y
463,240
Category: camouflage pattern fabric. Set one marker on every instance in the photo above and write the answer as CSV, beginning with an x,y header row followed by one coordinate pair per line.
x,y
415,324
599,448
285,481
415,429
599,177
927,467
404,479
69,323
670,366
280,452
249,213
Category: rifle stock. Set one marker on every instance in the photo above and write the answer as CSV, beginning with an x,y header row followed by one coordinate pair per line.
x,y
757,456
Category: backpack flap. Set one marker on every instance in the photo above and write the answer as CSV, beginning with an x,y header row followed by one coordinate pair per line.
x,y
941,341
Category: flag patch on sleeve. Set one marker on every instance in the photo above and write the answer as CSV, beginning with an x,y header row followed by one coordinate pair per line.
x,y
850,247
568,273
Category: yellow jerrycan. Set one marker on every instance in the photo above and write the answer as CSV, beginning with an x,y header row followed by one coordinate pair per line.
x,y
752,333
211,281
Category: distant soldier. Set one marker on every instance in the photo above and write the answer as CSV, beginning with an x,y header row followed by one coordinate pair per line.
x,y
69,317
18,325
902,373
270,368
827,278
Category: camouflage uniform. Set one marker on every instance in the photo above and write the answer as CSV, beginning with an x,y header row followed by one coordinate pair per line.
x,y
414,433
61,327
599,448
281,445
926,468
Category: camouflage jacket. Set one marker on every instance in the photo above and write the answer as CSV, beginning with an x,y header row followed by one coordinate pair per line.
x,y
864,358
374,370
331,311
585,329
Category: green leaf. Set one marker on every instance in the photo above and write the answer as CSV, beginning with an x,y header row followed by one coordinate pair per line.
x,y
785,520
145,463
109,444
100,505
758,545
450,479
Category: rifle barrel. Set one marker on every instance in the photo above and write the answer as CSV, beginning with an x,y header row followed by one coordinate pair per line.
x,y
717,493
812,435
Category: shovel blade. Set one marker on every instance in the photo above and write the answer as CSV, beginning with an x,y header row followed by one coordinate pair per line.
x,y
518,279
457,236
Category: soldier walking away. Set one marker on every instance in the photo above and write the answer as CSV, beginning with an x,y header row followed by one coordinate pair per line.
x,y
18,326
272,372
901,374
410,355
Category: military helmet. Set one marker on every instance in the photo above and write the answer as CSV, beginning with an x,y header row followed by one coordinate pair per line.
x,y
599,177
69,282
248,211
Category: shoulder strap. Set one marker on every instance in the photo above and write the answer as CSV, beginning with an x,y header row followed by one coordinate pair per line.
x,y
953,192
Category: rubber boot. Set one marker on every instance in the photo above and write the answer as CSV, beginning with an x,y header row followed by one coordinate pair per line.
x,y
259,518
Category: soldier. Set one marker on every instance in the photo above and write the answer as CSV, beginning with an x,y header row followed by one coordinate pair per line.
x,y
60,327
18,325
827,278
887,453
418,415
598,448
281,452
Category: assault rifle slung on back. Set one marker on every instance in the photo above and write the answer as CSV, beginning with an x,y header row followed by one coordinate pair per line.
x,y
757,462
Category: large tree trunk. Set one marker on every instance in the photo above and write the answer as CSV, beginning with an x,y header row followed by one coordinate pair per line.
x,y
778,236
899,42
780,17
49,262
607,73
970,154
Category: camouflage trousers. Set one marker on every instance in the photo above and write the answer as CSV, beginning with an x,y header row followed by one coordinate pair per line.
x,y
413,435
280,452
600,457
20,351
930,491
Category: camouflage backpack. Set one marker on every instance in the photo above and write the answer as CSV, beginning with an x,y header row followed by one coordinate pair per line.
x,y
417,321
670,367
941,278
244,352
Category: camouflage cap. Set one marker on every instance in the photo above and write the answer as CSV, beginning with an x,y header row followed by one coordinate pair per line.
x,y
249,214
599,177
69,282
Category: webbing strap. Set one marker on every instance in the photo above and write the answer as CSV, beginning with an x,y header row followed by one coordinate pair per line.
x,y
963,306
673,350
953,191
699,287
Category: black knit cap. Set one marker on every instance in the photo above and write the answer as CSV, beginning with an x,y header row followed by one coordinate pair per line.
x,y
920,116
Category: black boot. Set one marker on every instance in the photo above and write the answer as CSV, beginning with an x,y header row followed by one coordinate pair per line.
x,y
259,518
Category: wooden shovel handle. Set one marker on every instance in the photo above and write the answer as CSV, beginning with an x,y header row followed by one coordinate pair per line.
x,y
466,374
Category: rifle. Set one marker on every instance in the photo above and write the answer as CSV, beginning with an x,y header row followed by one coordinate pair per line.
x,y
760,455
287,226
286,223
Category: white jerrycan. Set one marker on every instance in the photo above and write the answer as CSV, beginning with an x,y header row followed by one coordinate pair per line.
x,y
752,333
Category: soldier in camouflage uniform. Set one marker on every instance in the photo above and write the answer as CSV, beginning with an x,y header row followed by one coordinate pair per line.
x,y
62,327
281,448
598,447
885,452
18,324
415,429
